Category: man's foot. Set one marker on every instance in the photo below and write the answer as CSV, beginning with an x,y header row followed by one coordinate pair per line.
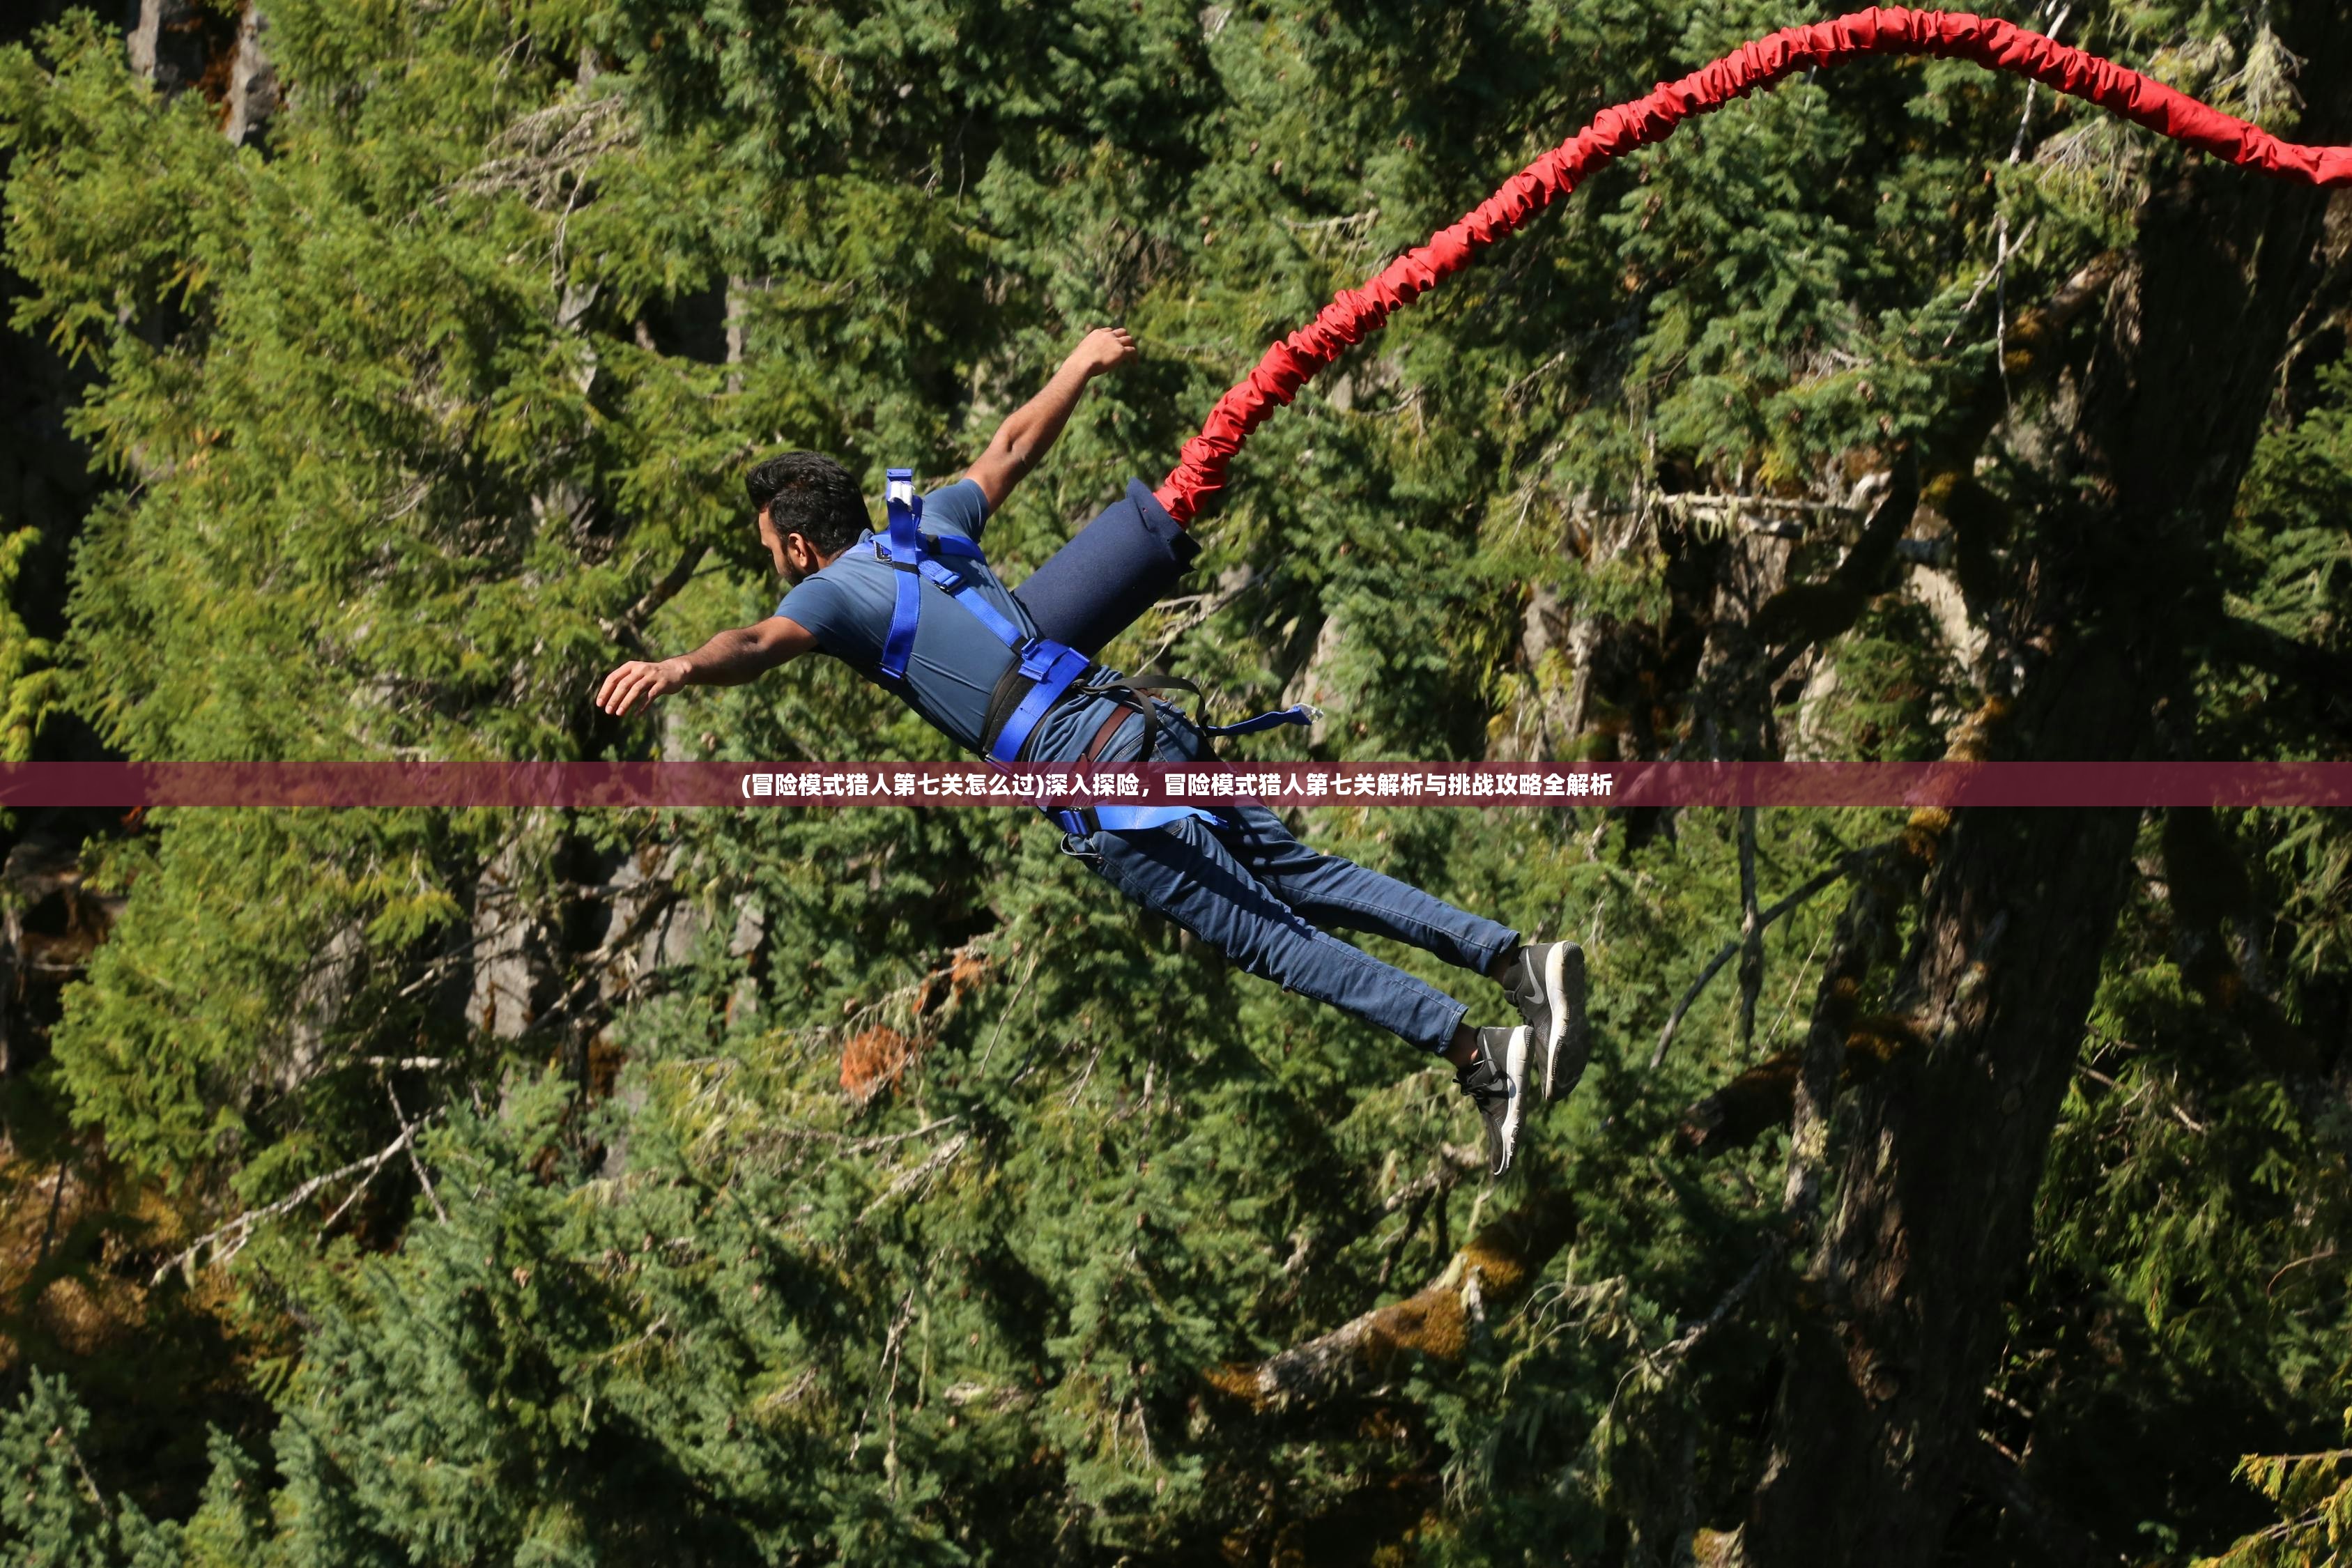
x,y
1493,1083
1546,983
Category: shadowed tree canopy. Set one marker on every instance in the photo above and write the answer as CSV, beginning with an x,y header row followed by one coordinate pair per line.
x,y
799,1186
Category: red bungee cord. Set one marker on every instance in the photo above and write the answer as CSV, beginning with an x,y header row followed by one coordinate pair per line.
x,y
1987,40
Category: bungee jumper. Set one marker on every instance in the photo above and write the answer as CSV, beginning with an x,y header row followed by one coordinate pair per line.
x,y
1011,675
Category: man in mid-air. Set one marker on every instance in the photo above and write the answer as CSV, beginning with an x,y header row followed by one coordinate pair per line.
x,y
1233,876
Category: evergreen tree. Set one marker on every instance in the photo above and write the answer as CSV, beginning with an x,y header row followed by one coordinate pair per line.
x,y
813,1185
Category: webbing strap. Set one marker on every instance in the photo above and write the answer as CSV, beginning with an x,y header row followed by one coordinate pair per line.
x,y
968,596
1123,818
1051,668
1061,665
1305,713
929,545
907,556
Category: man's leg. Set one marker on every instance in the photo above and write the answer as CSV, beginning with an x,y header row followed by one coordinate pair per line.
x,y
1545,982
1332,891
1185,872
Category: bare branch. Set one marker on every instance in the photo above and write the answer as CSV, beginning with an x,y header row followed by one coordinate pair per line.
x,y
859,1145
593,966
919,1174
1005,1018
1751,931
1764,1096
1806,615
630,627
549,149
1688,1340
408,1134
239,1231
1845,866
56,1206
1198,608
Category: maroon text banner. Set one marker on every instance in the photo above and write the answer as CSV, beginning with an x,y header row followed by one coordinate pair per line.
x,y
869,784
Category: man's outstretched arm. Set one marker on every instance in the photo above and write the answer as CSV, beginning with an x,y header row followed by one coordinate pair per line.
x,y
1024,436
731,658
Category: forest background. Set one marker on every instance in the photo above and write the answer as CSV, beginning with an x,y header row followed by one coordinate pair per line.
x,y
800,1186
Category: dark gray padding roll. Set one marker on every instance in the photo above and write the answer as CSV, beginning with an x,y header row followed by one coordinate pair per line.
x,y
1113,570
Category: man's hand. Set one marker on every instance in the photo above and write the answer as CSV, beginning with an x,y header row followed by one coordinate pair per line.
x,y
638,682
731,658
1103,349
1023,438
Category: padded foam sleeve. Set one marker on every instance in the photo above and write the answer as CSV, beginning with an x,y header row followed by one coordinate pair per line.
x,y
1110,571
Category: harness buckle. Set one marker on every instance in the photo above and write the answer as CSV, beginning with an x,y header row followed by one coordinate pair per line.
x,y
1036,660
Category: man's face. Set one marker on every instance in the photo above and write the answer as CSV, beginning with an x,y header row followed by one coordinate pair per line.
x,y
794,556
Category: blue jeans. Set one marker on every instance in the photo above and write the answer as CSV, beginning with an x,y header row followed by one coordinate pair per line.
x,y
1248,889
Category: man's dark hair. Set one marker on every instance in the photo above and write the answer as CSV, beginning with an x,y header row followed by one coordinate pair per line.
x,y
809,494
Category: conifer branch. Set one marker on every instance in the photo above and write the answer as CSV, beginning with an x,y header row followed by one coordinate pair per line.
x,y
630,627
2321,675
1454,1163
1438,1321
239,1231
917,1175
2208,885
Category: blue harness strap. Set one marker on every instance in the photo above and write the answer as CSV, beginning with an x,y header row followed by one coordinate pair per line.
x,y
906,556
1305,713
1124,819
1051,668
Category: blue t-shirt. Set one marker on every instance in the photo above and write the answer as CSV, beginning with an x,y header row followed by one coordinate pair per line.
x,y
956,661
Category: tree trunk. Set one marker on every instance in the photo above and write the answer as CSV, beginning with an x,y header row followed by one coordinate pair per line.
x,y
1875,1432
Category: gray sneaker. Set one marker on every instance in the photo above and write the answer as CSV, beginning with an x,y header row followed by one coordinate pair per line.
x,y
1493,1084
1546,983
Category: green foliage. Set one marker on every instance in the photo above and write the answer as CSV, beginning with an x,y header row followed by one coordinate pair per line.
x,y
411,409
28,684
2314,1491
51,1507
